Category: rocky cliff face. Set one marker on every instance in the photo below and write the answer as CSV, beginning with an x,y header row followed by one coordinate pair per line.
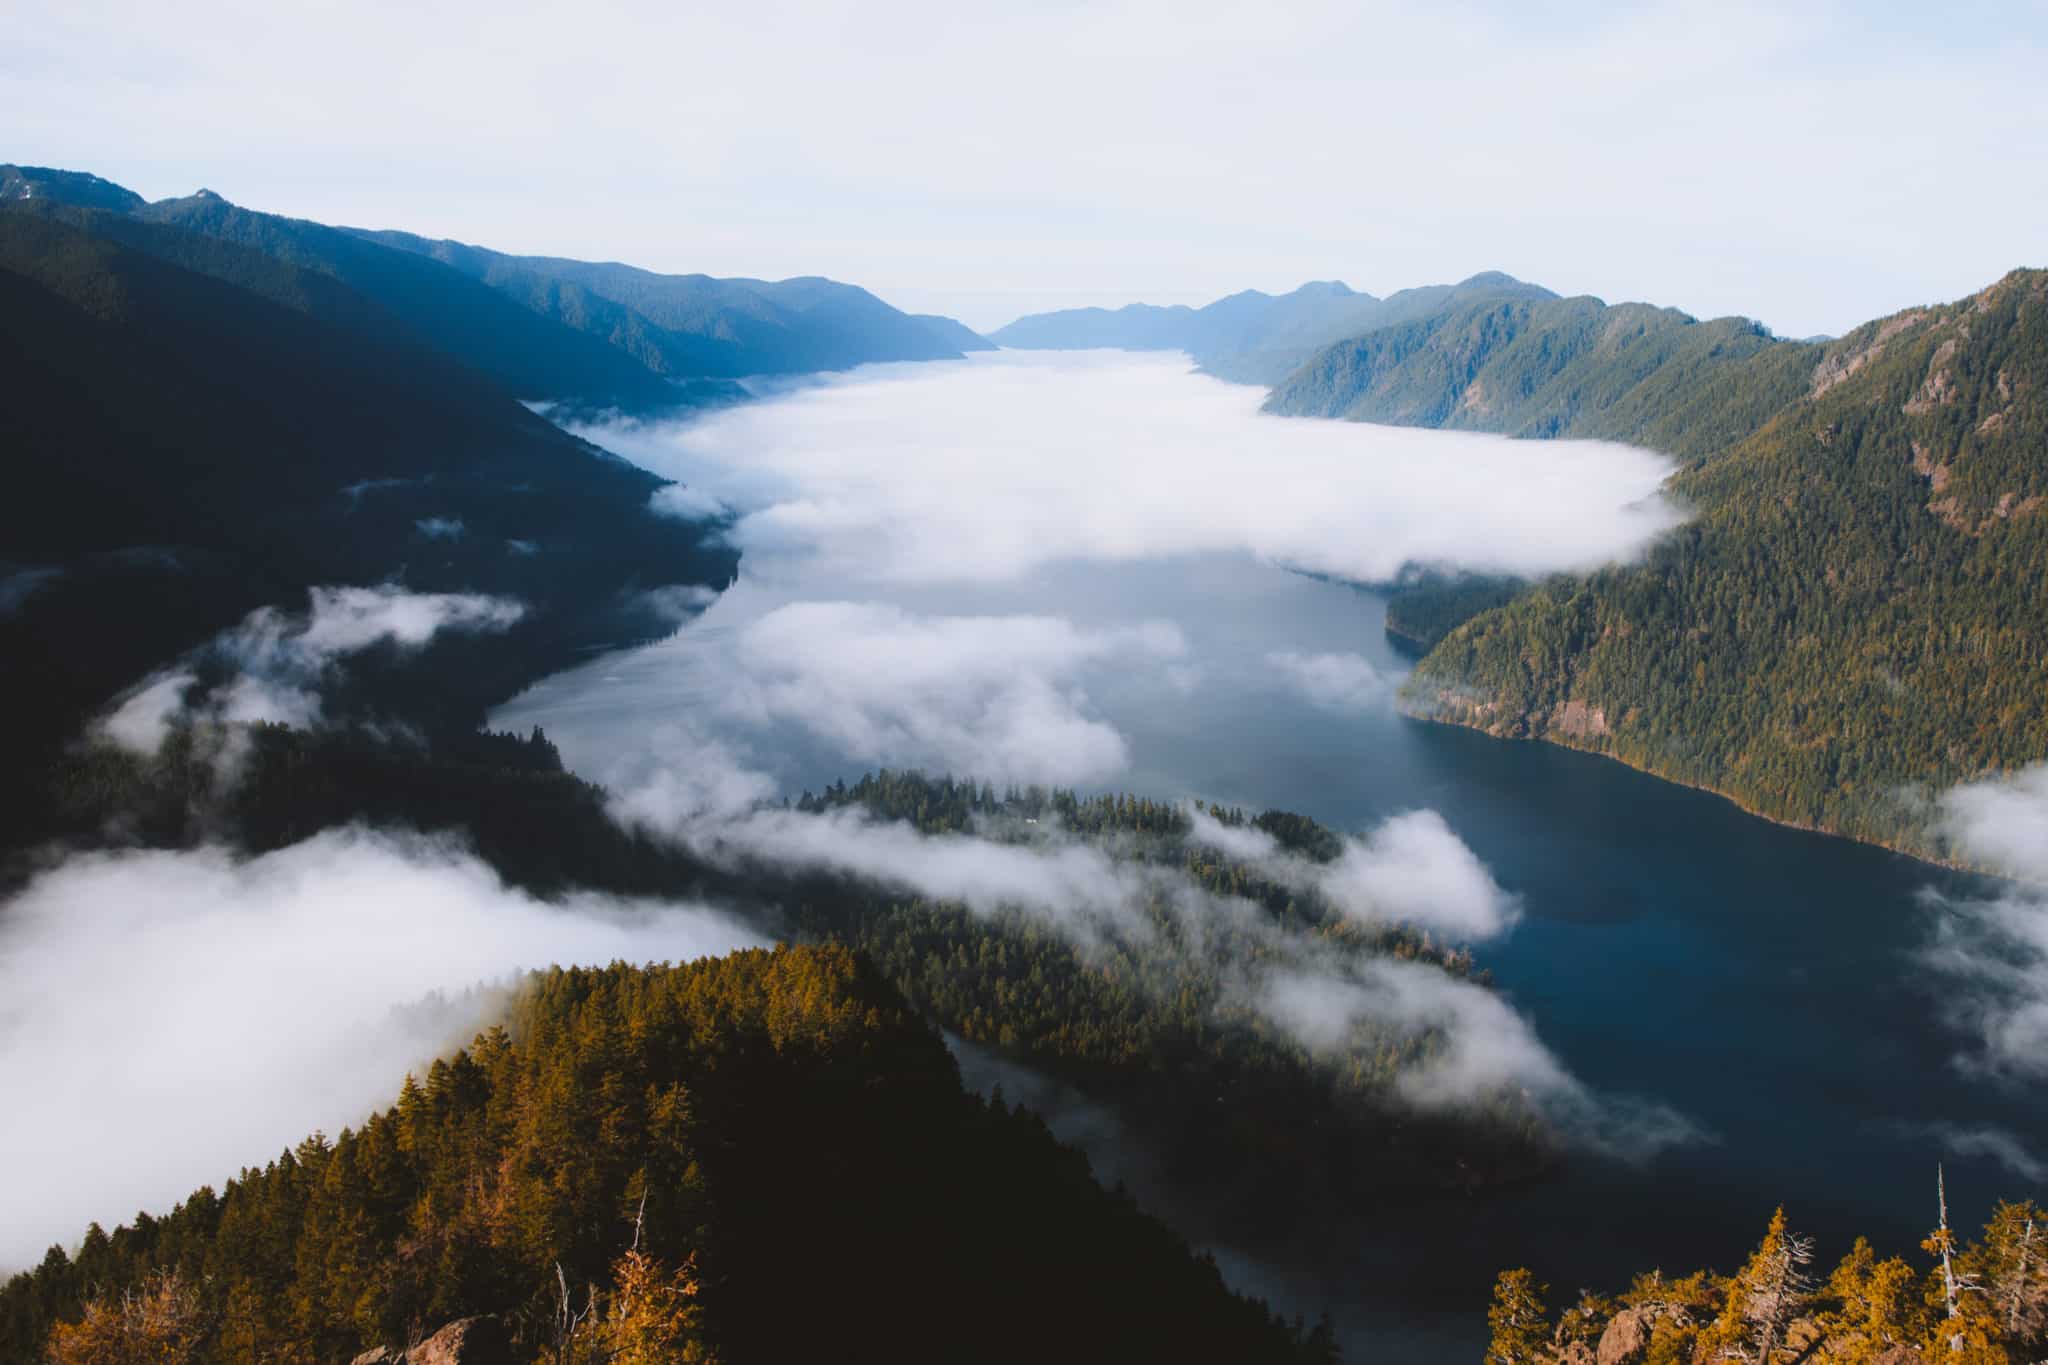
x,y
467,1341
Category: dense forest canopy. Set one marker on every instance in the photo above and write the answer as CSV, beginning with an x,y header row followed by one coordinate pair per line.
x,y
1852,615
650,1164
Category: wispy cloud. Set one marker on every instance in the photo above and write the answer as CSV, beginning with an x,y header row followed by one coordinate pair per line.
x,y
1411,869
1989,1141
276,661
1994,949
1335,682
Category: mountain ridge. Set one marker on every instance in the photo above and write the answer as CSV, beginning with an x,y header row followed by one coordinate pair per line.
x,y
570,333
1250,336
1843,629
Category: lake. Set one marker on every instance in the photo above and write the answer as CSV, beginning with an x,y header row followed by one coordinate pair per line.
x,y
1766,983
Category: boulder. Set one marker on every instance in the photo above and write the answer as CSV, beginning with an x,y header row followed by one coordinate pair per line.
x,y
383,1355
1900,1355
469,1341
1626,1338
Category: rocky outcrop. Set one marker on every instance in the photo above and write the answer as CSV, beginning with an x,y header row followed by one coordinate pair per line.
x,y
471,1341
1900,1355
1579,718
1842,362
467,1341
1626,1338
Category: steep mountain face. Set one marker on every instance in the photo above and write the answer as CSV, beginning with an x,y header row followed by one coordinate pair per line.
x,y
187,449
695,325
1853,615
1252,337
765,1157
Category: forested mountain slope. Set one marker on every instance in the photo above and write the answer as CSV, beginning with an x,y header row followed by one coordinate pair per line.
x,y
1252,337
1559,367
764,1157
198,429
695,325
1854,615
591,336
531,356
1147,1022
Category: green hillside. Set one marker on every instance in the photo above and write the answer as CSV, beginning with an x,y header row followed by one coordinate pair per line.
x,y
763,1157
1854,614
1558,367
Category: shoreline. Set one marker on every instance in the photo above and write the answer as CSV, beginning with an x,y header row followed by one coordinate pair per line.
x,y
1438,717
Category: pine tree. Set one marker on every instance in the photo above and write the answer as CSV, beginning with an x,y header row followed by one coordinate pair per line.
x,y
1519,1319
1763,1297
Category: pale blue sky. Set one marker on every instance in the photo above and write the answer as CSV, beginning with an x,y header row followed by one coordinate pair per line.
x,y
1811,166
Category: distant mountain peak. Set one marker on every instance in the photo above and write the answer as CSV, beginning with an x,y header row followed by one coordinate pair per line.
x,y
1491,279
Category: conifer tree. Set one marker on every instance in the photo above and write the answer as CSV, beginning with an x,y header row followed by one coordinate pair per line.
x,y
1764,1295
1520,1322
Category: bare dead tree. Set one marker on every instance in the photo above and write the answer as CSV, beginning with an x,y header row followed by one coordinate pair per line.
x,y
567,1321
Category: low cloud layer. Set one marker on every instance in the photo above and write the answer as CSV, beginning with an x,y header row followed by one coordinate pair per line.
x,y
1994,949
277,659
1483,1048
983,470
225,1008
1341,683
989,695
1004,697
1412,869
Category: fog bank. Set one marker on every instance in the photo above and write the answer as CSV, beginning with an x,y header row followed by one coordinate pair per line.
x,y
1994,949
981,470
167,1018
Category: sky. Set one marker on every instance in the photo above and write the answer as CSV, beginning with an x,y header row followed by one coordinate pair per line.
x,y
1812,166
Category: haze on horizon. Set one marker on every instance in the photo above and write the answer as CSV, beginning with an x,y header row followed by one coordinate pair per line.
x,y
1812,169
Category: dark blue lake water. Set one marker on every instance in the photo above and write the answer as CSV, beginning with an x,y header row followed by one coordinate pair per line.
x,y
1764,982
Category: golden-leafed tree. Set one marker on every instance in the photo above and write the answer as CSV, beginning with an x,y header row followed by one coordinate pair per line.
x,y
1520,1322
159,1323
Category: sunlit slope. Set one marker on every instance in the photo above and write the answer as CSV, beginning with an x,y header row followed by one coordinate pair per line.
x,y
1856,611
1558,367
